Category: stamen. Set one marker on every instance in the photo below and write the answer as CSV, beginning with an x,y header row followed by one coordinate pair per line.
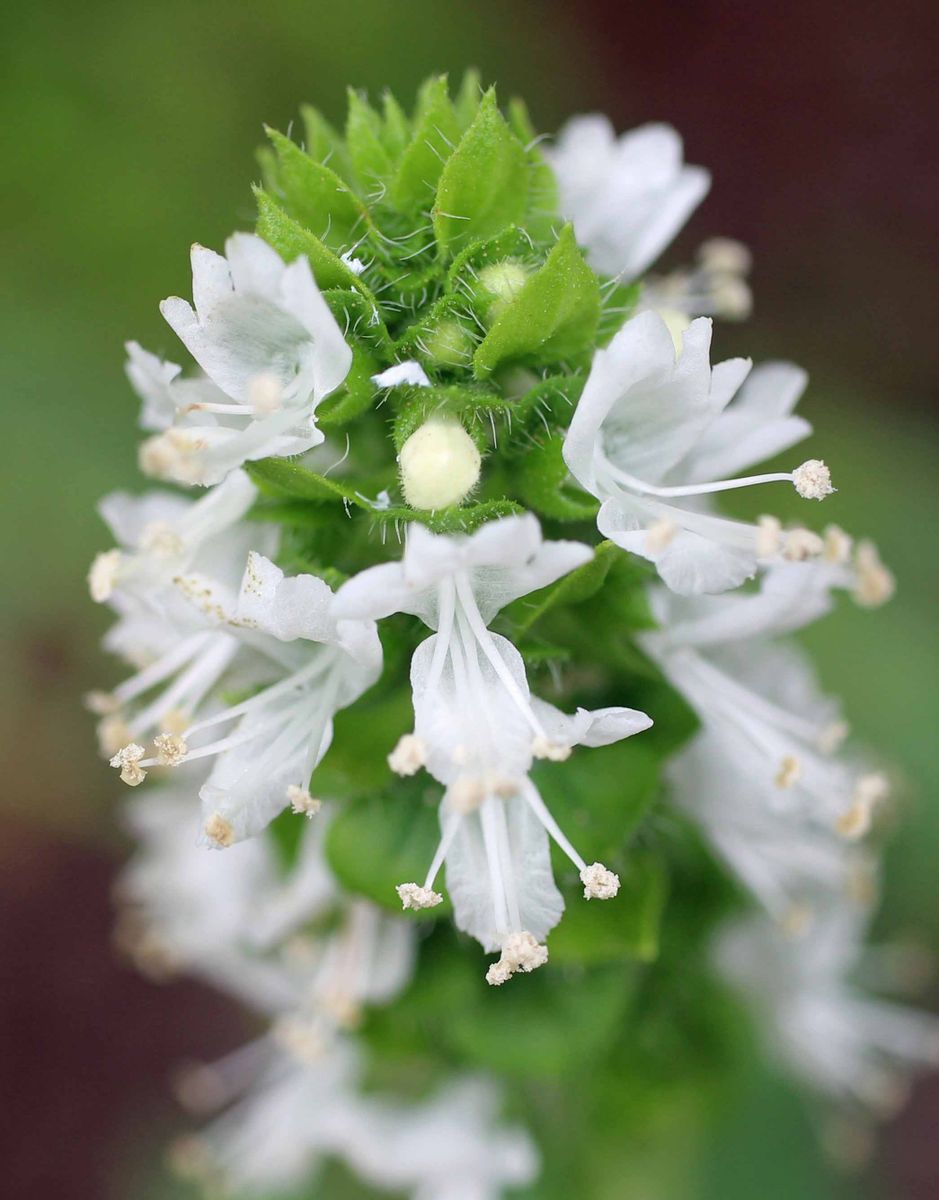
x,y
159,538
768,537
301,802
812,480
127,761
219,831
599,882
171,749
113,733
789,773
855,822
833,736
801,545
408,756
466,794
837,545
875,583
541,747
102,577
520,952
416,897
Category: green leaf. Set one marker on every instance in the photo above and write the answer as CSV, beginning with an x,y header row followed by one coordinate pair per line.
x,y
599,931
290,239
544,216
323,143
484,186
314,195
435,134
552,318
602,794
365,140
356,395
468,97
383,840
396,132
285,478
542,480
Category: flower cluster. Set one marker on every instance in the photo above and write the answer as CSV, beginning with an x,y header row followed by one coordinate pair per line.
x,y
432,363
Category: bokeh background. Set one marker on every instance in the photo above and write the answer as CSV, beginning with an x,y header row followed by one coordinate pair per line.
x,y
130,132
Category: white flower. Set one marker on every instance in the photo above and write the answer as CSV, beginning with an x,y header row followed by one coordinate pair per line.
x,y
762,777
857,1050
291,1112
450,1147
178,649
276,737
271,350
647,417
627,196
161,536
221,917
477,730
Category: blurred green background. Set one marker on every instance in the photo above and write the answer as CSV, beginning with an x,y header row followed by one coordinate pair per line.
x,y
131,131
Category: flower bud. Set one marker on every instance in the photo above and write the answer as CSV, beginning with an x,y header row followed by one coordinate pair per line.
x,y
449,345
439,464
502,282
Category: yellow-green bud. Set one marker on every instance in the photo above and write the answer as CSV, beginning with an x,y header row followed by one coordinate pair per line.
x,y
439,464
449,344
503,281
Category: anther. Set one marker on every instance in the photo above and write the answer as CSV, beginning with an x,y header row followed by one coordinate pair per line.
x,y
408,756
812,480
599,882
301,802
127,761
219,831
414,896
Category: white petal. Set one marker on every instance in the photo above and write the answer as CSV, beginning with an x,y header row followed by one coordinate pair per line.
x,y
474,728
597,727
298,607
540,903
411,373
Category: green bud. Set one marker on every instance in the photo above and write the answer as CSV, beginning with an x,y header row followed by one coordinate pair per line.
x,y
449,344
499,285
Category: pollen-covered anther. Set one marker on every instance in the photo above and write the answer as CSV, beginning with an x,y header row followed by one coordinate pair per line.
x,y
789,773
102,704
412,895
832,737
599,882
543,747
219,832
802,544
127,761
408,756
160,539
768,536
171,749
659,534
301,802
520,952
874,583
265,393
103,575
725,256
812,480
838,545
